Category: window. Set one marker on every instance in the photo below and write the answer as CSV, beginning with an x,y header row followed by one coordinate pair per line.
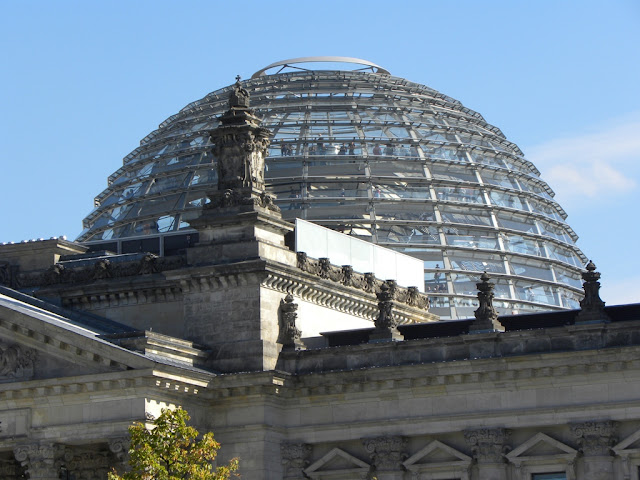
x,y
549,476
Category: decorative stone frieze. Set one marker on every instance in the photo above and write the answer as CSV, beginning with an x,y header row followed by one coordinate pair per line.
x,y
289,335
295,458
41,461
595,438
368,282
387,453
100,269
86,465
488,444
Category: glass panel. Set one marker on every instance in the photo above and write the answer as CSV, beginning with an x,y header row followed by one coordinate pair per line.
x,y
507,200
476,262
527,270
470,216
409,211
464,237
397,168
517,222
519,244
401,190
459,194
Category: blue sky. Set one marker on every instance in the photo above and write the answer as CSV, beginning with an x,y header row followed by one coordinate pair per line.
x,y
82,82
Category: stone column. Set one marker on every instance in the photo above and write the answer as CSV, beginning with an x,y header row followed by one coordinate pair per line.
x,y
488,446
41,461
595,440
295,458
387,455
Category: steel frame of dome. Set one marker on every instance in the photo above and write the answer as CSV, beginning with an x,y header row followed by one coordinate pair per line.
x,y
377,157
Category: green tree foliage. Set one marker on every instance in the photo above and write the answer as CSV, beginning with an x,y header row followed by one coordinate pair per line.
x,y
169,450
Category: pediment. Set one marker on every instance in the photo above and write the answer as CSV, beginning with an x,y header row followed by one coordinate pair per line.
x,y
540,446
20,363
631,444
37,344
335,463
436,454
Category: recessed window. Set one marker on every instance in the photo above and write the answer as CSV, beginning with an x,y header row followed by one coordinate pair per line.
x,y
549,476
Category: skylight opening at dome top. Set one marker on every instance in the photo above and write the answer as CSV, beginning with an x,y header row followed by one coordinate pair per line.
x,y
305,64
377,157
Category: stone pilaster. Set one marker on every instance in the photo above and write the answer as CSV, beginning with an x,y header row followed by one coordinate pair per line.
x,y
41,461
595,440
295,458
488,446
387,454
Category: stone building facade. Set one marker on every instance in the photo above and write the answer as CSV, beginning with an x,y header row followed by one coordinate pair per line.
x,y
90,343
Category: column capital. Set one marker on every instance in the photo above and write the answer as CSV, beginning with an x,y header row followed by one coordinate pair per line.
x,y
387,453
41,461
595,437
488,444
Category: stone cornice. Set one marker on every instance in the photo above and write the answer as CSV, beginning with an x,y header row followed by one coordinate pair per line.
x,y
472,374
169,380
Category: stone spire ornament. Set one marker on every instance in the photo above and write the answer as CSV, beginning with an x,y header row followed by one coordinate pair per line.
x,y
591,306
386,323
486,314
240,146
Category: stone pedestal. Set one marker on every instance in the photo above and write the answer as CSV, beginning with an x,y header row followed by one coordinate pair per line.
x,y
226,306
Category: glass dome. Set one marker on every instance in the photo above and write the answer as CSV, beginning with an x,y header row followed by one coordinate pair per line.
x,y
374,156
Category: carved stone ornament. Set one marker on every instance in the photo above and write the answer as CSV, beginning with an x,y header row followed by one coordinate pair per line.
x,y
236,198
16,362
89,465
148,264
387,453
41,461
240,145
486,314
289,334
101,269
386,296
9,275
595,438
295,458
119,446
368,282
488,444
591,306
